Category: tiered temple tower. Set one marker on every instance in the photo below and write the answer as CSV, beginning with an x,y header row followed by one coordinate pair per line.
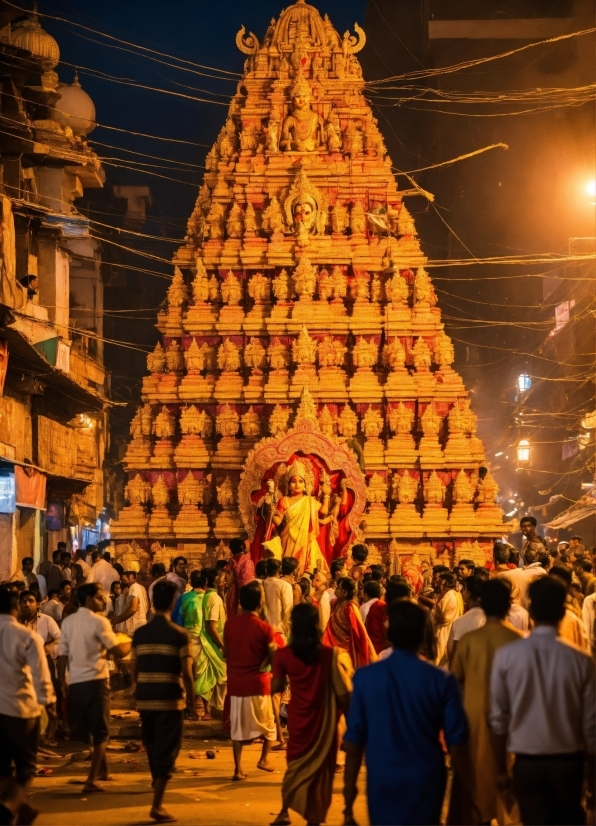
x,y
302,268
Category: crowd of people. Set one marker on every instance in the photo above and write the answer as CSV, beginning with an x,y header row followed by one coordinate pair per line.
x,y
485,671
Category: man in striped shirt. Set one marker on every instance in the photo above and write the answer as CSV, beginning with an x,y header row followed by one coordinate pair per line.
x,y
161,673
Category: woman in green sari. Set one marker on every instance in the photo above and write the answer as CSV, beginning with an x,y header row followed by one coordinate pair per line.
x,y
211,674
190,616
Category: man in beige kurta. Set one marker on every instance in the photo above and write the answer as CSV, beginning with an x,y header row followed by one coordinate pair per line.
x,y
449,608
471,666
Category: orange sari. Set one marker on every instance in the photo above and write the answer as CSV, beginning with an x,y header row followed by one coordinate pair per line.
x,y
346,630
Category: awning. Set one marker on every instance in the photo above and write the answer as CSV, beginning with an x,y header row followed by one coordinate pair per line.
x,y
582,509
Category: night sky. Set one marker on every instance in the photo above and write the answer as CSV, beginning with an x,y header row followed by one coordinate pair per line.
x,y
202,32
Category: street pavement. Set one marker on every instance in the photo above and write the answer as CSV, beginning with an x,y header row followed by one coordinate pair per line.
x,y
200,790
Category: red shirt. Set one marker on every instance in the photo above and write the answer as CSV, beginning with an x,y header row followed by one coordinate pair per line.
x,y
375,625
247,640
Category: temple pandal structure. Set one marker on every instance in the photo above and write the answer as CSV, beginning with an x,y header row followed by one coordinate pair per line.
x,y
301,322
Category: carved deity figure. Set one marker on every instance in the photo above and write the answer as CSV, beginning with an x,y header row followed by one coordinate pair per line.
x,y
488,490
421,355
326,422
278,420
255,355
235,222
164,425
259,288
397,290
353,139
431,421
331,352
401,419
190,490
282,286
434,490
227,141
156,361
406,489
194,357
200,284
364,353
376,492
215,221
278,355
177,291
463,492
227,421
251,423
226,494
455,419
377,292
195,422
424,292
347,422
146,420
333,133
405,222
325,284
339,218
360,287
250,220
214,292
228,356
358,219
372,423
160,495
469,418
304,348
340,282
443,350
305,278
137,490
175,357
231,289
303,129
273,219
394,355
272,136
136,427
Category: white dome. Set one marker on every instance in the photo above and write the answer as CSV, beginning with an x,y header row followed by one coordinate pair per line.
x,y
28,34
75,108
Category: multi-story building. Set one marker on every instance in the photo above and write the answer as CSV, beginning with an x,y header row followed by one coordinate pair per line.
x,y
53,385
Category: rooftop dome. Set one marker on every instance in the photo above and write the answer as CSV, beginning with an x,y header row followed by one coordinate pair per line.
x,y
75,108
28,34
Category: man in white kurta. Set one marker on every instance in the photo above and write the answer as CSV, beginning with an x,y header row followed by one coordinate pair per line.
x,y
449,608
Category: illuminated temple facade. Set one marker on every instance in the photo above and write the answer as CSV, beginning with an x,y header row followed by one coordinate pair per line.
x,y
301,323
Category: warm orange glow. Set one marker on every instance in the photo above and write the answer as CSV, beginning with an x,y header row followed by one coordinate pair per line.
x,y
591,188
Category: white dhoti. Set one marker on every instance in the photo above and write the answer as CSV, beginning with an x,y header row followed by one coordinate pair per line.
x,y
252,717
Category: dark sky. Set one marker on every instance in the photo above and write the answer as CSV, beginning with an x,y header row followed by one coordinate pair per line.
x,y
201,32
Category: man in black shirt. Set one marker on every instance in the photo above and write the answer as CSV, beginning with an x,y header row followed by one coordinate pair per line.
x,y
161,672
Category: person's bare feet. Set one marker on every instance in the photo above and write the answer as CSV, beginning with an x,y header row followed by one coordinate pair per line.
x,y
239,776
91,788
265,766
161,815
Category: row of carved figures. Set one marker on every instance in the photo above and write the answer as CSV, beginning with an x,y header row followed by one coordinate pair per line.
x,y
400,418
405,489
328,351
304,283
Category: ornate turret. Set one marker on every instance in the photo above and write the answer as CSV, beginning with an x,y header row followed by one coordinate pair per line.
x,y
302,268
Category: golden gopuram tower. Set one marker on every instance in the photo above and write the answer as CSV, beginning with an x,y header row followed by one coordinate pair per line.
x,y
302,278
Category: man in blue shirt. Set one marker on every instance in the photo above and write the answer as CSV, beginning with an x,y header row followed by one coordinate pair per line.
x,y
398,709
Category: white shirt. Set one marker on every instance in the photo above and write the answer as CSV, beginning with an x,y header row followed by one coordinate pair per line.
x,y
181,584
325,608
543,695
217,611
470,621
86,638
521,579
279,596
25,683
140,616
589,617
103,573
53,609
519,618
365,607
86,569
46,627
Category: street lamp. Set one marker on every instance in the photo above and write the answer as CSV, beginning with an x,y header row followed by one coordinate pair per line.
x,y
523,452
524,382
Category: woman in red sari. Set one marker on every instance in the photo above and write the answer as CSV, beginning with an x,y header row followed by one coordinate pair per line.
x,y
345,628
321,680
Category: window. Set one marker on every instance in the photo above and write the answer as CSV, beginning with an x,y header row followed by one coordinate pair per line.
x,y
562,313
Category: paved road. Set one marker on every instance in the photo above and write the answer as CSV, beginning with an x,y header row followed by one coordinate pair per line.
x,y
199,792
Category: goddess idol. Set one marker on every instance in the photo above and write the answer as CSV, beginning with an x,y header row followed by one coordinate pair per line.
x,y
298,516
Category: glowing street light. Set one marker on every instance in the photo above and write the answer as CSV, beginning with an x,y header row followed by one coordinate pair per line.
x,y
523,452
524,382
591,189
